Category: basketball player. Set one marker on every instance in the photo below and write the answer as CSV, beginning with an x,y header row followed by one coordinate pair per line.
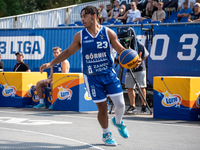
x,y
62,67
96,44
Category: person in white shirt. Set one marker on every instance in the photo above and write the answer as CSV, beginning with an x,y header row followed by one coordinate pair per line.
x,y
133,15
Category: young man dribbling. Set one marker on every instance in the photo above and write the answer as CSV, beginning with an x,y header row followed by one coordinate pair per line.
x,y
97,43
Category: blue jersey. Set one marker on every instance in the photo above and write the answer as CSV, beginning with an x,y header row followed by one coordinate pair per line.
x,y
57,68
97,53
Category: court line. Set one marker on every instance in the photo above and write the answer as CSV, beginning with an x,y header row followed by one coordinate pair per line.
x,y
55,136
143,122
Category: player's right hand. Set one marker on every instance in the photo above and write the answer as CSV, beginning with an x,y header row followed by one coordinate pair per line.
x,y
44,66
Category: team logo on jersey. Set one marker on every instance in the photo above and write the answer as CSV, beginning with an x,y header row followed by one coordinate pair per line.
x,y
64,93
102,36
198,100
86,37
90,69
9,90
170,100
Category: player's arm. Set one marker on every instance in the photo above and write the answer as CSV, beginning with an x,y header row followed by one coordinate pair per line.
x,y
72,49
65,66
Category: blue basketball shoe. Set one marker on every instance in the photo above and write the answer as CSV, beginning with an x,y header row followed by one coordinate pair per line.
x,y
51,107
108,139
121,128
39,106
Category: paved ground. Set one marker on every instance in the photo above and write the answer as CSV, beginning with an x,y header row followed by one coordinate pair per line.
x,y
25,128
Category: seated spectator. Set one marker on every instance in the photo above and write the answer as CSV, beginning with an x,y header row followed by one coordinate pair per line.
x,y
132,15
159,15
108,7
148,12
1,63
120,15
62,67
185,12
155,5
190,4
100,19
139,6
195,16
115,10
21,66
104,13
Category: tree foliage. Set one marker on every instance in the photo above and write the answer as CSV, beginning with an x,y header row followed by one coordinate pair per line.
x,y
16,7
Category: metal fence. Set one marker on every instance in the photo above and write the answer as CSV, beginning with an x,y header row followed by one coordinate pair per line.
x,y
48,18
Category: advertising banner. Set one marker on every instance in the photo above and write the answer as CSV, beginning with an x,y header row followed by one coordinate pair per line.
x,y
15,88
69,93
176,98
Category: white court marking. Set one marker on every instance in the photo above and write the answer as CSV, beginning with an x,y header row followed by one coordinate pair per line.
x,y
27,121
55,136
143,122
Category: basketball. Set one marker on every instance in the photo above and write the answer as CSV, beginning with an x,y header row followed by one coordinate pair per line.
x,y
128,58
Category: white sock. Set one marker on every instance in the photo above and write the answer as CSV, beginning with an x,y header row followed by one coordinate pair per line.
x,y
42,101
119,107
106,130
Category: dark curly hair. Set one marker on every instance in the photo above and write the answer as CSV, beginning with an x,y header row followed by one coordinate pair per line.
x,y
90,10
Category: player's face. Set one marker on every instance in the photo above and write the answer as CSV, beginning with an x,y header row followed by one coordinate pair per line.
x,y
56,53
87,19
19,58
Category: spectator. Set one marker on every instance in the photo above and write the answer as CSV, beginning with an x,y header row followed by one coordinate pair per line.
x,y
148,12
115,10
108,7
100,19
132,15
62,67
190,4
120,15
155,5
21,66
139,6
185,12
1,63
159,15
195,16
140,75
104,13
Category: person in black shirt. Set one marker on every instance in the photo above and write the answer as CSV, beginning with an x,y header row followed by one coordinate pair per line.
x,y
21,66
1,63
195,16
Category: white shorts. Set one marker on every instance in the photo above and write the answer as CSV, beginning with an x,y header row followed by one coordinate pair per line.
x,y
140,77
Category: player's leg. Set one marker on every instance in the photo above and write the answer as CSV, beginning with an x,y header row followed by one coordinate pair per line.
x,y
39,90
96,91
130,84
141,79
51,85
114,91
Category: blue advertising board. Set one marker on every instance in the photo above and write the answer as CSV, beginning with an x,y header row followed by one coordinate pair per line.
x,y
175,50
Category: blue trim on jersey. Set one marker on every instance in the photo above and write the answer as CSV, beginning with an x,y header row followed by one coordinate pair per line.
x,y
97,53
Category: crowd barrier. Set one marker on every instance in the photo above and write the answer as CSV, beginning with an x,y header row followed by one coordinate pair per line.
x,y
15,87
176,98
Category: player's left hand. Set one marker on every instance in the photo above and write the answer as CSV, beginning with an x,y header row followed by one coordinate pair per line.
x,y
139,60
